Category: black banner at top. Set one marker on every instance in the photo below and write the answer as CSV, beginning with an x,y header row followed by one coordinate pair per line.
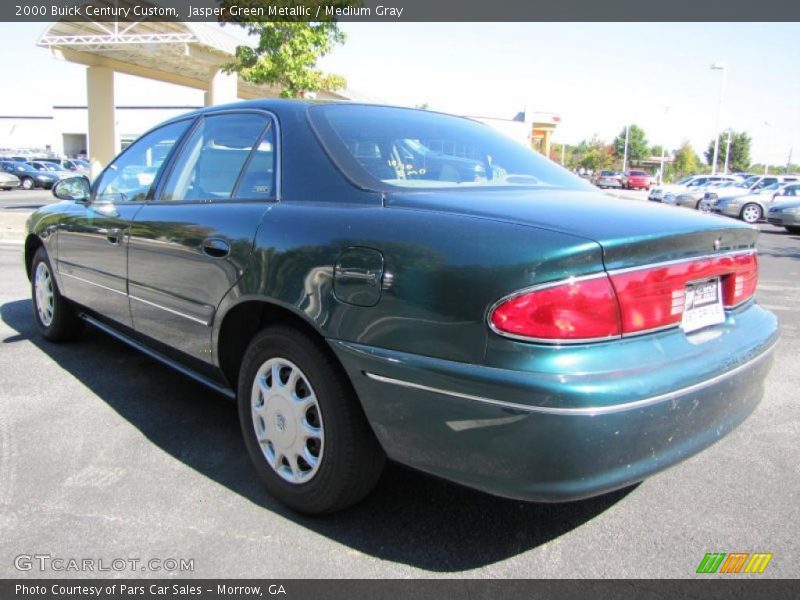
x,y
399,10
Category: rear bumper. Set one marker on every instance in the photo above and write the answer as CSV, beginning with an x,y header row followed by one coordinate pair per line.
x,y
541,436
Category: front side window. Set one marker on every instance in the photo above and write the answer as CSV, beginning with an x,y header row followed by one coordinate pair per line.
x,y
210,162
131,176
381,147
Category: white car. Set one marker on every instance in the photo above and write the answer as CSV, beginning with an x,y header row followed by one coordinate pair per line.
x,y
669,192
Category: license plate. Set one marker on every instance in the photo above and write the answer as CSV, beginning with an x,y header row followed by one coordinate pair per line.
x,y
702,305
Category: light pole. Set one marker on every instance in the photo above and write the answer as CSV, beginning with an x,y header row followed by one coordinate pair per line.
x,y
766,137
663,151
625,153
727,152
718,66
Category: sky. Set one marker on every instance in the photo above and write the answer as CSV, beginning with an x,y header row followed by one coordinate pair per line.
x,y
596,76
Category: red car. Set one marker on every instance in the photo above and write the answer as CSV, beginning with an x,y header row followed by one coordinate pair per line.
x,y
636,180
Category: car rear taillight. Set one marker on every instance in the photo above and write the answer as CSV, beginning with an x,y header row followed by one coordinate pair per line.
x,y
625,302
740,286
578,309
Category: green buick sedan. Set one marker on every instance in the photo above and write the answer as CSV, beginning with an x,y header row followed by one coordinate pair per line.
x,y
372,283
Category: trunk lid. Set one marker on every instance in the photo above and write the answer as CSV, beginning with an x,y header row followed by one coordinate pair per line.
x,y
631,233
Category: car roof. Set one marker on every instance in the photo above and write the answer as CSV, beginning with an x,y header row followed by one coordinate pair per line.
x,y
293,105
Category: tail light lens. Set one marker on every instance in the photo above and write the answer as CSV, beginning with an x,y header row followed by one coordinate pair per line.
x,y
740,285
620,303
574,310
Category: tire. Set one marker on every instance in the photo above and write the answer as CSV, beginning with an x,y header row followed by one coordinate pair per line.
x,y
55,317
751,213
27,183
792,229
340,460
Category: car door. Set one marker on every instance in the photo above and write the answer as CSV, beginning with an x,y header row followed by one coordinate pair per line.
x,y
92,238
191,244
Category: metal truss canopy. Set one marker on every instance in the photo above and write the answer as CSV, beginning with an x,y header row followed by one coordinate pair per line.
x,y
182,53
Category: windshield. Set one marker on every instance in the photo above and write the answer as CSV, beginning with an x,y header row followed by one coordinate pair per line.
x,y
684,181
381,147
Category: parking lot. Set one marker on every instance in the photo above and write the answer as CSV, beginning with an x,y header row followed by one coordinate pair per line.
x,y
106,454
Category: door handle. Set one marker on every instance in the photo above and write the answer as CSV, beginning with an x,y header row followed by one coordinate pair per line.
x,y
114,236
216,248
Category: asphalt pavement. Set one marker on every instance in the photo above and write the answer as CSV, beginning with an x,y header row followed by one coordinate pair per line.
x,y
106,454
25,201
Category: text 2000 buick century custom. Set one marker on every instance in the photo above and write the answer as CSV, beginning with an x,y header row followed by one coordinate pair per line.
x,y
377,282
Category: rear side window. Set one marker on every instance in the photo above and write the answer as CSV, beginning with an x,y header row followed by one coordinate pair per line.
x,y
258,178
214,156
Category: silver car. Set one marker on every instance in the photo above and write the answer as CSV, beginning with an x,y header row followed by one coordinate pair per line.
x,y
752,207
786,214
693,198
8,181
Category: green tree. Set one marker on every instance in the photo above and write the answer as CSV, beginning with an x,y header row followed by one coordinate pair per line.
x,y
596,155
739,158
656,150
686,161
637,144
287,52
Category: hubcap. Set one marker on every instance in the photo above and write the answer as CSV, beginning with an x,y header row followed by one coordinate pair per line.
x,y
44,297
751,214
287,420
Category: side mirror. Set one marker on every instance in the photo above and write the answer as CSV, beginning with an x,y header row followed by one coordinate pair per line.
x,y
76,189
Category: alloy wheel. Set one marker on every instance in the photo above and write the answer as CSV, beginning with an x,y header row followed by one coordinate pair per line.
x,y
751,213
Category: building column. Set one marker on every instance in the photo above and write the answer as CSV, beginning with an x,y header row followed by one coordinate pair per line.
x,y
102,140
222,88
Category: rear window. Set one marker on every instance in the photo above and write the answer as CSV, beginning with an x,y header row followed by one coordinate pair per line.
x,y
639,174
380,147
